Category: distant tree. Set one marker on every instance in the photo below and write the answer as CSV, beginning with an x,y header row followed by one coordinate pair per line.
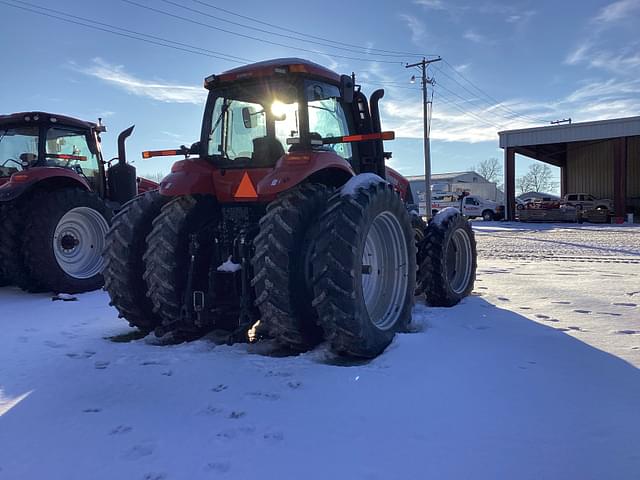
x,y
156,177
491,169
539,178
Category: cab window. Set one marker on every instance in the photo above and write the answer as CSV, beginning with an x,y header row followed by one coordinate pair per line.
x,y
18,149
326,115
70,149
572,198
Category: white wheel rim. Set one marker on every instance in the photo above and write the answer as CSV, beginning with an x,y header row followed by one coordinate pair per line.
x,y
385,271
78,242
459,261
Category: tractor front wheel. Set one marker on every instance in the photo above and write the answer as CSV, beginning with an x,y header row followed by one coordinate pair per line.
x,y
64,239
447,260
364,268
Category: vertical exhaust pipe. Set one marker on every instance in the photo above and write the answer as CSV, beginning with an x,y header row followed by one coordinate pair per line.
x,y
374,108
122,138
122,180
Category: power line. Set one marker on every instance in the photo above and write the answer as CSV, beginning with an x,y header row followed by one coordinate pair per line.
x,y
280,27
482,92
131,34
263,40
283,35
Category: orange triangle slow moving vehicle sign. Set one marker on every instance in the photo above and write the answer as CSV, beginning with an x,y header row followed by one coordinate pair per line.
x,y
246,188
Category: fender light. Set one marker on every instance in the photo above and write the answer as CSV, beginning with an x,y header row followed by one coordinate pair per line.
x,y
19,178
297,158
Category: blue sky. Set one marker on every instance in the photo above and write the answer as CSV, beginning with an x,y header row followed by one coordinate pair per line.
x,y
508,65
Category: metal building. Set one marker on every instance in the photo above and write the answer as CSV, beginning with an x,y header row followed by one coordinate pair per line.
x,y
601,158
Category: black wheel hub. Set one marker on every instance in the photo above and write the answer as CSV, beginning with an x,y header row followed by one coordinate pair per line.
x,y
69,242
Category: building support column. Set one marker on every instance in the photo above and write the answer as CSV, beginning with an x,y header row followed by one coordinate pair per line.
x,y
510,183
619,178
564,181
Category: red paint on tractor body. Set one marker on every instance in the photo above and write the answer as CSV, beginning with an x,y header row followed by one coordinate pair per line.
x,y
25,180
400,183
294,168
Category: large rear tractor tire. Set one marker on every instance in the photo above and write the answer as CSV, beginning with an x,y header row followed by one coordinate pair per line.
x,y
12,223
281,263
126,243
364,268
167,257
64,239
447,260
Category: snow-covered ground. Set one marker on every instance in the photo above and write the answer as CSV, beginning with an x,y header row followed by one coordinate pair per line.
x,y
533,377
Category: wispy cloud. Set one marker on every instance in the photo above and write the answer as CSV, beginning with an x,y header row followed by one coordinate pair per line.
x,y
475,37
431,4
159,91
416,27
473,121
620,10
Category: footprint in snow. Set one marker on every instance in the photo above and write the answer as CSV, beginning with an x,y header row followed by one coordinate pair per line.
x,y
610,313
52,344
211,410
92,410
138,451
167,373
562,329
237,414
525,308
85,354
273,437
626,304
218,467
543,317
147,363
628,332
577,329
562,302
154,476
219,388
23,339
504,299
120,429
264,396
294,385
101,365
582,311
274,373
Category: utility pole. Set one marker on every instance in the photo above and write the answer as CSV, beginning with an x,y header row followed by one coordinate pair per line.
x,y
426,104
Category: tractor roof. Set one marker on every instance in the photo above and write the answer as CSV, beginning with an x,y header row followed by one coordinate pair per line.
x,y
275,66
43,117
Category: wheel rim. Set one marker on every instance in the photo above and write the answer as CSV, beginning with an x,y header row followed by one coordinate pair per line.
x,y
385,275
459,261
78,242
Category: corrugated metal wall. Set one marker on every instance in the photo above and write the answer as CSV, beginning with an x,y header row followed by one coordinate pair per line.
x,y
633,167
590,168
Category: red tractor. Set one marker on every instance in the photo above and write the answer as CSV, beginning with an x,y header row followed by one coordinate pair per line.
x,y
285,219
56,201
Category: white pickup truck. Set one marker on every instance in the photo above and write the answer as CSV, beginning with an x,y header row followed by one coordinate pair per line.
x,y
584,201
472,206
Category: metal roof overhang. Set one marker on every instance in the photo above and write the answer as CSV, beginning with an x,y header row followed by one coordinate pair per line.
x,y
549,144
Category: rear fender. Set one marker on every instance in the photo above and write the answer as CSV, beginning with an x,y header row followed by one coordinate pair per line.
x,y
189,177
43,178
400,183
294,168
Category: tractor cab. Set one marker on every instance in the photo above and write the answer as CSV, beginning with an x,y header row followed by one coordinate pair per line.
x,y
258,113
63,151
37,139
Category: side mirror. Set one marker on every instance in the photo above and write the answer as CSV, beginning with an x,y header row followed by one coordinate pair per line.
x,y
346,88
248,117
195,148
